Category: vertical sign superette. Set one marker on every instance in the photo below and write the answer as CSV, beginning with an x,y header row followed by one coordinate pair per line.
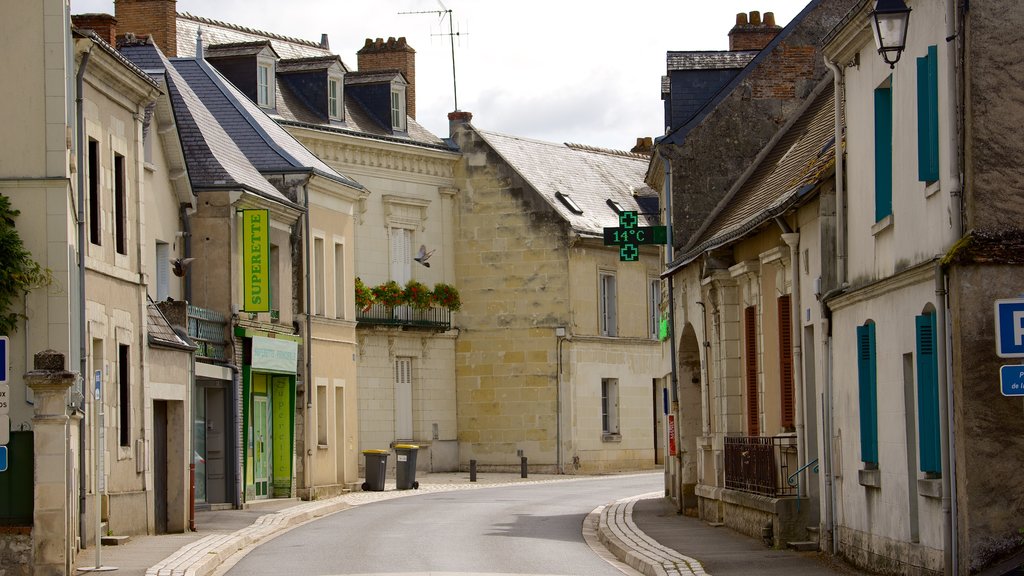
x,y
256,260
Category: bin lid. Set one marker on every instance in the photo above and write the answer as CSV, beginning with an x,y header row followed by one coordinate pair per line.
x,y
406,447
375,452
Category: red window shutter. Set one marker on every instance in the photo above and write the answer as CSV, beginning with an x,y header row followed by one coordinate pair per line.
x,y
786,362
750,355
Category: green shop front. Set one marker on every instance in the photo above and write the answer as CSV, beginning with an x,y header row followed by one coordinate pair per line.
x,y
268,413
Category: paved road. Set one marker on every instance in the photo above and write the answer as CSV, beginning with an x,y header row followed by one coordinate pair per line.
x,y
526,529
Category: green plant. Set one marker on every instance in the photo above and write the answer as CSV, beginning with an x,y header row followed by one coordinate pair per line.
x,y
418,295
364,296
19,273
388,294
447,296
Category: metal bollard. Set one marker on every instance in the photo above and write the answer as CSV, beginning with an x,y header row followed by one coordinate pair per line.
x,y
522,467
472,470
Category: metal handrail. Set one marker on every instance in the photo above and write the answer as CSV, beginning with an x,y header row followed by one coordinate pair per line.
x,y
792,481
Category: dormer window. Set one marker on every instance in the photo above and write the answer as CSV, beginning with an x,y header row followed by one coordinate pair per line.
x,y
398,108
265,83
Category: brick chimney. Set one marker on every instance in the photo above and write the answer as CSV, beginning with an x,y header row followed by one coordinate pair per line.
x,y
751,33
456,119
104,25
644,145
155,18
391,55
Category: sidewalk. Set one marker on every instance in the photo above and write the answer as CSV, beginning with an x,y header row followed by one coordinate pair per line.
x,y
643,532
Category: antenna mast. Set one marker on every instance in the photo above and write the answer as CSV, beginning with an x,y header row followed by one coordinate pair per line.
x,y
446,12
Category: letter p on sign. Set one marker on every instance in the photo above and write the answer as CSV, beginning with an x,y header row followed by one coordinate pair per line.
x,y
1009,320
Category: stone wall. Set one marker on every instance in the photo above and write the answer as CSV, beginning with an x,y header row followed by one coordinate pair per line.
x,y
15,551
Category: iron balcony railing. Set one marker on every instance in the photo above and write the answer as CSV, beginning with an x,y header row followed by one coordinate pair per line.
x,y
207,329
760,464
435,318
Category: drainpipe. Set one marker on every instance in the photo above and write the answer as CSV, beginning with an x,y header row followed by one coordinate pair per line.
x,y
308,343
840,154
944,336
705,345
793,240
561,338
186,230
80,159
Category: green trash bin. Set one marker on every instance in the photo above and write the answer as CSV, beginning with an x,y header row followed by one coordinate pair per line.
x,y
376,470
405,466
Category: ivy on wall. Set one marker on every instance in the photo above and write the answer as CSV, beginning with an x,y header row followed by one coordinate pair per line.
x,y
19,273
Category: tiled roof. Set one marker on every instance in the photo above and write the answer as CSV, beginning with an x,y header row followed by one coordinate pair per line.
x,y
213,159
709,60
307,64
589,176
375,77
290,108
800,158
236,49
160,331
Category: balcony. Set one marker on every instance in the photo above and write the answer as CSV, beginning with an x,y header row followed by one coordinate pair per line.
x,y
433,318
760,464
207,329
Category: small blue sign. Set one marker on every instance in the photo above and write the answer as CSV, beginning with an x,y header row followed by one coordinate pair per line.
x,y
1010,328
3,458
1011,378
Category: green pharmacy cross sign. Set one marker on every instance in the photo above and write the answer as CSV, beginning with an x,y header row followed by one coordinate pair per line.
x,y
628,236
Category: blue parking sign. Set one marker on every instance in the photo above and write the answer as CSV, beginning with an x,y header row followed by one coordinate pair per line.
x,y
3,458
1010,328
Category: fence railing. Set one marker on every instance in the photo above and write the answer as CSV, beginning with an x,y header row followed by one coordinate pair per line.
x,y
760,464
207,329
435,318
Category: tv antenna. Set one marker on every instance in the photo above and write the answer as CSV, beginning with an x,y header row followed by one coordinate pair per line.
x,y
446,12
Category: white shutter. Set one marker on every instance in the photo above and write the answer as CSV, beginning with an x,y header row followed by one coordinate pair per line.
x,y
403,399
163,271
401,255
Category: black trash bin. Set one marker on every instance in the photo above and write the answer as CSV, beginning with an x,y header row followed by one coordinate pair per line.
x,y
405,466
376,470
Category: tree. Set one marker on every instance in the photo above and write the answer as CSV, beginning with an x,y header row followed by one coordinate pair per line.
x,y
19,273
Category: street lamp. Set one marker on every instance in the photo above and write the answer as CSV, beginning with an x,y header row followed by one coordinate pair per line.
x,y
889,22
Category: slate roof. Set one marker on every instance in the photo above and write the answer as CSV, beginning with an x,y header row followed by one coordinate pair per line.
x,y
316,63
801,157
161,333
590,176
709,60
374,77
212,158
237,49
290,109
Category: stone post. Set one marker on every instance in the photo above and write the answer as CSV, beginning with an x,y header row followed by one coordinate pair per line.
x,y
50,382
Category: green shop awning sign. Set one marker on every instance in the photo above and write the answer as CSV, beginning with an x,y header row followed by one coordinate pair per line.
x,y
274,354
256,260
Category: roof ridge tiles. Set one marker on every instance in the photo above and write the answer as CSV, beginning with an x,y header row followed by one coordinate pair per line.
x,y
609,151
205,20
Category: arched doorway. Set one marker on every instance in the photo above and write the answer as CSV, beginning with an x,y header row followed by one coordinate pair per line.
x,y
690,415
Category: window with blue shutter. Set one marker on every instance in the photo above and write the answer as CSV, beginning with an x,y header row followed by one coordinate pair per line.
x,y
928,396
867,379
928,116
883,151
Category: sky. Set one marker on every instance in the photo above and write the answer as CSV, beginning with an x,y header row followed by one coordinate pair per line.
x,y
580,71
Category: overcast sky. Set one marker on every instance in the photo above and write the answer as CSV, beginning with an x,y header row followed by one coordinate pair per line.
x,y
580,71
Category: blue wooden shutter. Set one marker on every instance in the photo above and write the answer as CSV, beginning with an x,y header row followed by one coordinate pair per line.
x,y
883,153
868,397
928,116
928,396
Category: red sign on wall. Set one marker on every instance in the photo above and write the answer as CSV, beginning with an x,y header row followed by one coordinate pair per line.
x,y
671,434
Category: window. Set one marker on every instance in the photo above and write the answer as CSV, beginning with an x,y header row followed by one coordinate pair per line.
x,y
928,116
883,151
163,270
788,420
333,98
120,206
654,308
397,110
95,215
124,403
750,370
608,311
319,287
340,285
569,202
403,398
928,396
321,414
867,378
609,406
264,90
401,255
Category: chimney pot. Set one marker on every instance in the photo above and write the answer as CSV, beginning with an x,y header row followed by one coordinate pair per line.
x,y
741,19
769,19
755,18
324,43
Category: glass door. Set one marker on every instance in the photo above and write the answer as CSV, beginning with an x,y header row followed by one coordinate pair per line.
x,y
261,444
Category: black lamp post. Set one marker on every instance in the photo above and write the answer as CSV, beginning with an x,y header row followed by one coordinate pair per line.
x,y
889,22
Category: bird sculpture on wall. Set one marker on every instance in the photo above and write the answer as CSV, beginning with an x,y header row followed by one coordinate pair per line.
x,y
180,266
423,255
